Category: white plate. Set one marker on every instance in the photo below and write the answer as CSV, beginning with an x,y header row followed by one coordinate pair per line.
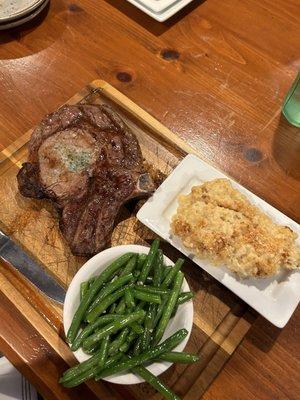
x,y
13,9
275,298
157,5
164,15
26,18
183,318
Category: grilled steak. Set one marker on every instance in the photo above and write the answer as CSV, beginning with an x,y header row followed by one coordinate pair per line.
x,y
86,160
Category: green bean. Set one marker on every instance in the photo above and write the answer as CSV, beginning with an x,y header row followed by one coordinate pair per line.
x,y
110,288
130,266
129,299
178,357
112,328
175,309
82,376
126,346
103,351
92,350
137,328
159,311
155,352
149,297
115,277
92,280
149,319
166,270
91,294
82,367
106,302
141,305
152,289
121,307
83,289
171,303
132,335
112,308
120,339
141,260
137,346
85,286
148,324
155,382
89,329
158,265
148,264
172,273
145,340
184,296
136,274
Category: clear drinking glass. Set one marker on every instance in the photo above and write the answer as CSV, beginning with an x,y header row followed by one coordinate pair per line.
x,y
291,105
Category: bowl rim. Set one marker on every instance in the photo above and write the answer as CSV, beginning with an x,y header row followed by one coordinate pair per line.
x,y
87,270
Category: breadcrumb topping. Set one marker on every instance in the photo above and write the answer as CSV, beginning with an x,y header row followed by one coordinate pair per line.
x,y
217,222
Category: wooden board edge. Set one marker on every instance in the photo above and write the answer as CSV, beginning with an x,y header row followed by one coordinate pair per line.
x,y
9,151
51,312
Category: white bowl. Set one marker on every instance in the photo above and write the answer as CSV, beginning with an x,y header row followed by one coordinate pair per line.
x,y
93,267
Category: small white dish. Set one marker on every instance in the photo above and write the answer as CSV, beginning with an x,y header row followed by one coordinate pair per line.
x,y
93,267
274,298
14,9
163,15
28,17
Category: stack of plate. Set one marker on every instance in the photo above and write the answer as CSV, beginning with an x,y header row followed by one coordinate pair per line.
x,y
16,12
160,10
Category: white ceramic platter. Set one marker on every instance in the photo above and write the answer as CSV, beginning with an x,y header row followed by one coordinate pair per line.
x,y
163,15
275,298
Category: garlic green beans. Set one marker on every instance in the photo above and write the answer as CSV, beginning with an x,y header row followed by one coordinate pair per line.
x,y
122,317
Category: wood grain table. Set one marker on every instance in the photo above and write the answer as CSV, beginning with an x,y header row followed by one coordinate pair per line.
x,y
216,75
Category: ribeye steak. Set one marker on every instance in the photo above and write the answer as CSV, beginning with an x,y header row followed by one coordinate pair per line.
x,y
89,163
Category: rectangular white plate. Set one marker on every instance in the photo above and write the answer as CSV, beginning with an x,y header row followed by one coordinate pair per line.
x,y
275,298
165,14
157,5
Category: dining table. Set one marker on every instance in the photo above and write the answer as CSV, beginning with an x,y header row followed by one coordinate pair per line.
x,y
216,75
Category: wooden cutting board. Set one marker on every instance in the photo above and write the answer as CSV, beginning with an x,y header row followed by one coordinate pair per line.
x,y
221,320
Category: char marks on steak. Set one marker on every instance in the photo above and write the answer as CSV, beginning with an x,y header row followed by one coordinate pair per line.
x,y
89,163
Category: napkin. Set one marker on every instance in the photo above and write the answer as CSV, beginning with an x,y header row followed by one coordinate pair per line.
x,y
13,386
